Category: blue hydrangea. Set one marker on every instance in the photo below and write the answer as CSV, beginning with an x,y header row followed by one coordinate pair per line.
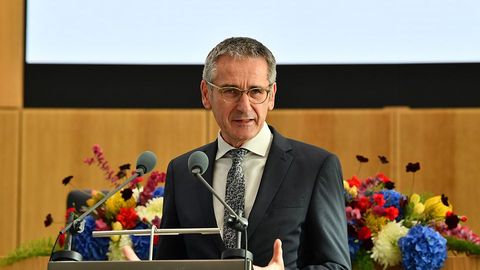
x,y
158,192
423,248
354,246
92,249
141,244
393,198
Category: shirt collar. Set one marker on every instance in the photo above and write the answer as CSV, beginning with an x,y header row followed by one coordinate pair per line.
x,y
258,145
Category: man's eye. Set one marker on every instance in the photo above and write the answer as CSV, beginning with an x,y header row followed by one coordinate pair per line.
x,y
256,91
230,91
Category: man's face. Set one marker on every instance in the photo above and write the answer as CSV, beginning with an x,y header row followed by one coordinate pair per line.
x,y
242,120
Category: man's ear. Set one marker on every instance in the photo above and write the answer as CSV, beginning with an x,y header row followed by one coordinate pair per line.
x,y
205,95
271,99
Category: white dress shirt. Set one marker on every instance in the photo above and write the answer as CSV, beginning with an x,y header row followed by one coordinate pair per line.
x,y
253,165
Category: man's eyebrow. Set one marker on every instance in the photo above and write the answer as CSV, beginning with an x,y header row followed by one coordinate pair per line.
x,y
236,86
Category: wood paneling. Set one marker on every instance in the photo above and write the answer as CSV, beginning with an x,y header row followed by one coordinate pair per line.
x,y
11,53
9,134
346,133
446,143
55,142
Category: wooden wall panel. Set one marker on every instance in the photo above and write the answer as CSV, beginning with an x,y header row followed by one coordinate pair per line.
x,y
446,143
9,133
344,132
55,142
11,53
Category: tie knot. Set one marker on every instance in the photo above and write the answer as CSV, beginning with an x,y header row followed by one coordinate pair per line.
x,y
238,153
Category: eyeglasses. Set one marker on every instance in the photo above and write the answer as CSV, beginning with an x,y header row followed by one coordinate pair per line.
x,y
233,94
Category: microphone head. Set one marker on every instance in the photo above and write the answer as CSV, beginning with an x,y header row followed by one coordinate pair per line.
x,y
198,162
146,162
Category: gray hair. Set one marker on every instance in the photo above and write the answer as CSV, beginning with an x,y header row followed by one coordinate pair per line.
x,y
239,47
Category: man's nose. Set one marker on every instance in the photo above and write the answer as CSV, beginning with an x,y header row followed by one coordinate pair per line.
x,y
244,103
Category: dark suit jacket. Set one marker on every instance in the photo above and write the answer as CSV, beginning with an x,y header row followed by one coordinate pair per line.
x,y
300,201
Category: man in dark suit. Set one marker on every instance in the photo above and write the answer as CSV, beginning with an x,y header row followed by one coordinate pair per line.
x,y
291,192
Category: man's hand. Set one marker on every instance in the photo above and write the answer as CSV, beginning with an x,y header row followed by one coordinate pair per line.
x,y
129,254
277,259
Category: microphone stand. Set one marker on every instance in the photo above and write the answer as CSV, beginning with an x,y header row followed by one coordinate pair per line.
x,y
235,221
76,226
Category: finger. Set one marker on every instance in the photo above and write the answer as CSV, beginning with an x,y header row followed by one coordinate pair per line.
x,y
277,257
129,254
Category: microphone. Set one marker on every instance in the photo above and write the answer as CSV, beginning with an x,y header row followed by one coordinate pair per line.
x,y
145,163
198,164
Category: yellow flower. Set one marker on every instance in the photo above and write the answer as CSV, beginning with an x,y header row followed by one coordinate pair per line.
x,y
116,226
437,207
116,202
96,196
415,198
353,191
418,207
374,222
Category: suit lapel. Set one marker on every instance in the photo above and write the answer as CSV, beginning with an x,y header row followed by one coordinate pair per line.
x,y
205,197
276,168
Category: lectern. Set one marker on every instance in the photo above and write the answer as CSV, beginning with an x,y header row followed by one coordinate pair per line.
x,y
151,265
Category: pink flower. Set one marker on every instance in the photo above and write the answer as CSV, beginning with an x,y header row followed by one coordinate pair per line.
x,y
352,214
100,225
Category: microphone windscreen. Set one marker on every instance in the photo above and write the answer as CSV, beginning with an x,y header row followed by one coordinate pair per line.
x,y
198,160
146,161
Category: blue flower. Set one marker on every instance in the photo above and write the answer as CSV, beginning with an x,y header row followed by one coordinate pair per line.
x,y
393,198
158,192
354,246
141,244
92,249
423,248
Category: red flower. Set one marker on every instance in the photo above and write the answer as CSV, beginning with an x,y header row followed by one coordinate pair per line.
x,y
69,210
364,233
61,239
128,218
354,181
384,178
379,199
391,212
364,203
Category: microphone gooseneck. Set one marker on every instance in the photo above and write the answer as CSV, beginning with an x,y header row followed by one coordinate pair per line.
x,y
198,164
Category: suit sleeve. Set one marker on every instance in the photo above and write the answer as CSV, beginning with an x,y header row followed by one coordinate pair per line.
x,y
170,247
326,224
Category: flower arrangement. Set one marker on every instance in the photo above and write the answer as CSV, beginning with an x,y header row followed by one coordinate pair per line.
x,y
138,206
388,228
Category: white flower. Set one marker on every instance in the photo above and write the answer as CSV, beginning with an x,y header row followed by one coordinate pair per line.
x,y
152,209
136,193
385,249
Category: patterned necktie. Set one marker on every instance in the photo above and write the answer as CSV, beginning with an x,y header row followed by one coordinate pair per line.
x,y
234,194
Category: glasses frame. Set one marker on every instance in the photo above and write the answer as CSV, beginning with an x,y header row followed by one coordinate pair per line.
x,y
243,91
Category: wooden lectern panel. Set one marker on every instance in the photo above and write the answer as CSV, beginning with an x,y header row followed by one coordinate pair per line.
x,y
55,143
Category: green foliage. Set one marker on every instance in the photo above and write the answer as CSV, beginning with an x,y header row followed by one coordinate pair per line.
x,y
363,261
35,248
462,246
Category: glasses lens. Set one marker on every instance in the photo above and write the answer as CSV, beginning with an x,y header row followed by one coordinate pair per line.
x,y
231,94
257,95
